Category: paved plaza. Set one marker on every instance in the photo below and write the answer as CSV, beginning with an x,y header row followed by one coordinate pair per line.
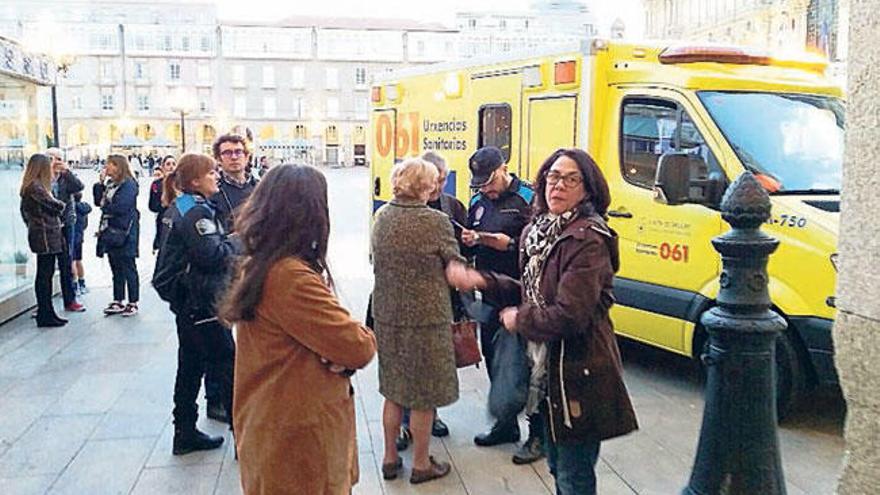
x,y
86,409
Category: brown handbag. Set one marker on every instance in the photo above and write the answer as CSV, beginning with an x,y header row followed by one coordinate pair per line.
x,y
464,340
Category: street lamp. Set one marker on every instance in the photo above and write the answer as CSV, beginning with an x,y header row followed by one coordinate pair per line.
x,y
181,102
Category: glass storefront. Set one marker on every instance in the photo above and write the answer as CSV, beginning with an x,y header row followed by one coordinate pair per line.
x,y
25,128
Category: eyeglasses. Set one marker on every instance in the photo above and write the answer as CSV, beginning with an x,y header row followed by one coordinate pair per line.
x,y
570,180
232,153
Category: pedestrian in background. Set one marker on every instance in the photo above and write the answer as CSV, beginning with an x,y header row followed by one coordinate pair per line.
x,y
118,233
569,256
83,210
496,217
452,207
297,346
41,213
411,246
64,186
169,163
200,252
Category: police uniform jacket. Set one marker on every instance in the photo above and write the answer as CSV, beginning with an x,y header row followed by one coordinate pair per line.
x,y
508,215
230,197
199,240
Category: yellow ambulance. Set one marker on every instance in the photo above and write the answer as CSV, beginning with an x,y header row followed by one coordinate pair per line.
x,y
720,110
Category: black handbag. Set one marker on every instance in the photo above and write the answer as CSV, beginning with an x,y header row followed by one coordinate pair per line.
x,y
112,237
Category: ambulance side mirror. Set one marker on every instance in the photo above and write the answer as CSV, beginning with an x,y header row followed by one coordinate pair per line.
x,y
684,178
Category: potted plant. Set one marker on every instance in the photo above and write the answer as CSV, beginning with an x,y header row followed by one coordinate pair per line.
x,y
21,259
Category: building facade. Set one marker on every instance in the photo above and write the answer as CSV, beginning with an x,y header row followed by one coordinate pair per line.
x,y
815,25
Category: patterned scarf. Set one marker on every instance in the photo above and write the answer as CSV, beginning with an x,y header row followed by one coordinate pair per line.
x,y
545,230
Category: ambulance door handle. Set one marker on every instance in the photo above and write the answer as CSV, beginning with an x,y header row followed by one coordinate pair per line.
x,y
621,213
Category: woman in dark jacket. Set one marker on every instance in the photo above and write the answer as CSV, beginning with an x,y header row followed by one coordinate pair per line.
x,y
156,205
118,233
42,215
568,258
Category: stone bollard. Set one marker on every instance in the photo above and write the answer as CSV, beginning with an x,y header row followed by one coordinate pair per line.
x,y
738,452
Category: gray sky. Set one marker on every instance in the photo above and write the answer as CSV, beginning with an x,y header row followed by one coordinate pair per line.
x,y
444,11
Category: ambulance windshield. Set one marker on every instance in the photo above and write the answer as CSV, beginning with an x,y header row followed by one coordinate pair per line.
x,y
793,143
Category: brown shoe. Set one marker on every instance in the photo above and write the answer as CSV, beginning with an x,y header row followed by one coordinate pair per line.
x,y
437,470
390,470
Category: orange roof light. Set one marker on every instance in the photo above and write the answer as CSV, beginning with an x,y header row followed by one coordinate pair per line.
x,y
377,94
718,54
564,72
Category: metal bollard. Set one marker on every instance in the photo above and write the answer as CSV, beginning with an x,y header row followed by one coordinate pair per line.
x,y
738,452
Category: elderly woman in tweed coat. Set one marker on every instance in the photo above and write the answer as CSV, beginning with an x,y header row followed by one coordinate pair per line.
x,y
412,244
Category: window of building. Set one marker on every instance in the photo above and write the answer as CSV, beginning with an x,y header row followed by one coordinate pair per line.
x,y
106,70
238,75
269,107
238,107
360,76
167,46
268,76
140,43
299,107
472,23
173,71
495,128
143,103
107,101
204,72
420,48
332,134
332,78
299,132
204,100
77,102
651,128
332,107
360,108
184,43
206,44
140,70
502,24
105,41
299,78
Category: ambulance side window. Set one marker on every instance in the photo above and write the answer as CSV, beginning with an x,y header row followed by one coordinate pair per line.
x,y
495,125
650,128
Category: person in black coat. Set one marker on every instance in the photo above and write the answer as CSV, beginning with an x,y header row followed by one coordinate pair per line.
x,y
118,233
169,163
64,186
198,247
41,213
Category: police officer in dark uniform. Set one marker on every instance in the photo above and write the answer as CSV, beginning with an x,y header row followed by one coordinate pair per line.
x,y
496,217
198,247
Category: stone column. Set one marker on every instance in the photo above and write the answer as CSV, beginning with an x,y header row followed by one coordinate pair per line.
x,y
857,329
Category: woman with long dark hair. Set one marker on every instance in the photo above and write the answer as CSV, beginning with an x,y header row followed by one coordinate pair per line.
x,y
297,346
568,258
118,233
42,215
157,205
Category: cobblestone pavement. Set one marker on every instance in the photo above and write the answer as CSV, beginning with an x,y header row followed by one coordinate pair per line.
x,y
86,409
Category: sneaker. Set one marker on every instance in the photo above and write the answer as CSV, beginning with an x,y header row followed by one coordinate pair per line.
x,y
114,308
531,451
74,307
131,309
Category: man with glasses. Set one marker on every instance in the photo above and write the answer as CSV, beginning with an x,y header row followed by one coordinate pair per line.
x,y
236,185
496,217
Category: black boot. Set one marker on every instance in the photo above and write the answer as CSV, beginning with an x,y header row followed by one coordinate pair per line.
x,y
190,439
500,433
531,451
217,412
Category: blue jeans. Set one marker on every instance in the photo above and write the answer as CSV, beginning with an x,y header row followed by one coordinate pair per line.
x,y
573,465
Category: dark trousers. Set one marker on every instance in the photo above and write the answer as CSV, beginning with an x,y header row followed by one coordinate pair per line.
x,y
68,289
198,343
487,337
43,287
124,275
573,465
212,384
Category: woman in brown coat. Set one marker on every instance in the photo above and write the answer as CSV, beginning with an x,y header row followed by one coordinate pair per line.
x,y
568,257
412,244
293,409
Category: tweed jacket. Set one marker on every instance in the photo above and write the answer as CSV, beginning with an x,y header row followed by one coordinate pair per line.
x,y
412,245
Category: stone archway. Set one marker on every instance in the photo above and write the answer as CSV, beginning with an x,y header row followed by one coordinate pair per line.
x,y
145,132
268,132
172,133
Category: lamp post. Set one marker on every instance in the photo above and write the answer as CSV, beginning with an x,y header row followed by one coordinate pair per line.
x,y
63,62
181,102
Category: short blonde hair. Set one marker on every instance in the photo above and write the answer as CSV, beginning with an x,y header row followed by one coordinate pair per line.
x,y
413,178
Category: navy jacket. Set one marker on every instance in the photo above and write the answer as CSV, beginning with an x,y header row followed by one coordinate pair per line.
x,y
508,214
230,197
199,241
120,211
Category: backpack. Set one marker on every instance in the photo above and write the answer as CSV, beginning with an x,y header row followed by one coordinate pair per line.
x,y
169,277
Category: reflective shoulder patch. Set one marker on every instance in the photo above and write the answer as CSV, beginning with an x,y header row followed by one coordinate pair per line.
x,y
206,226
600,230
